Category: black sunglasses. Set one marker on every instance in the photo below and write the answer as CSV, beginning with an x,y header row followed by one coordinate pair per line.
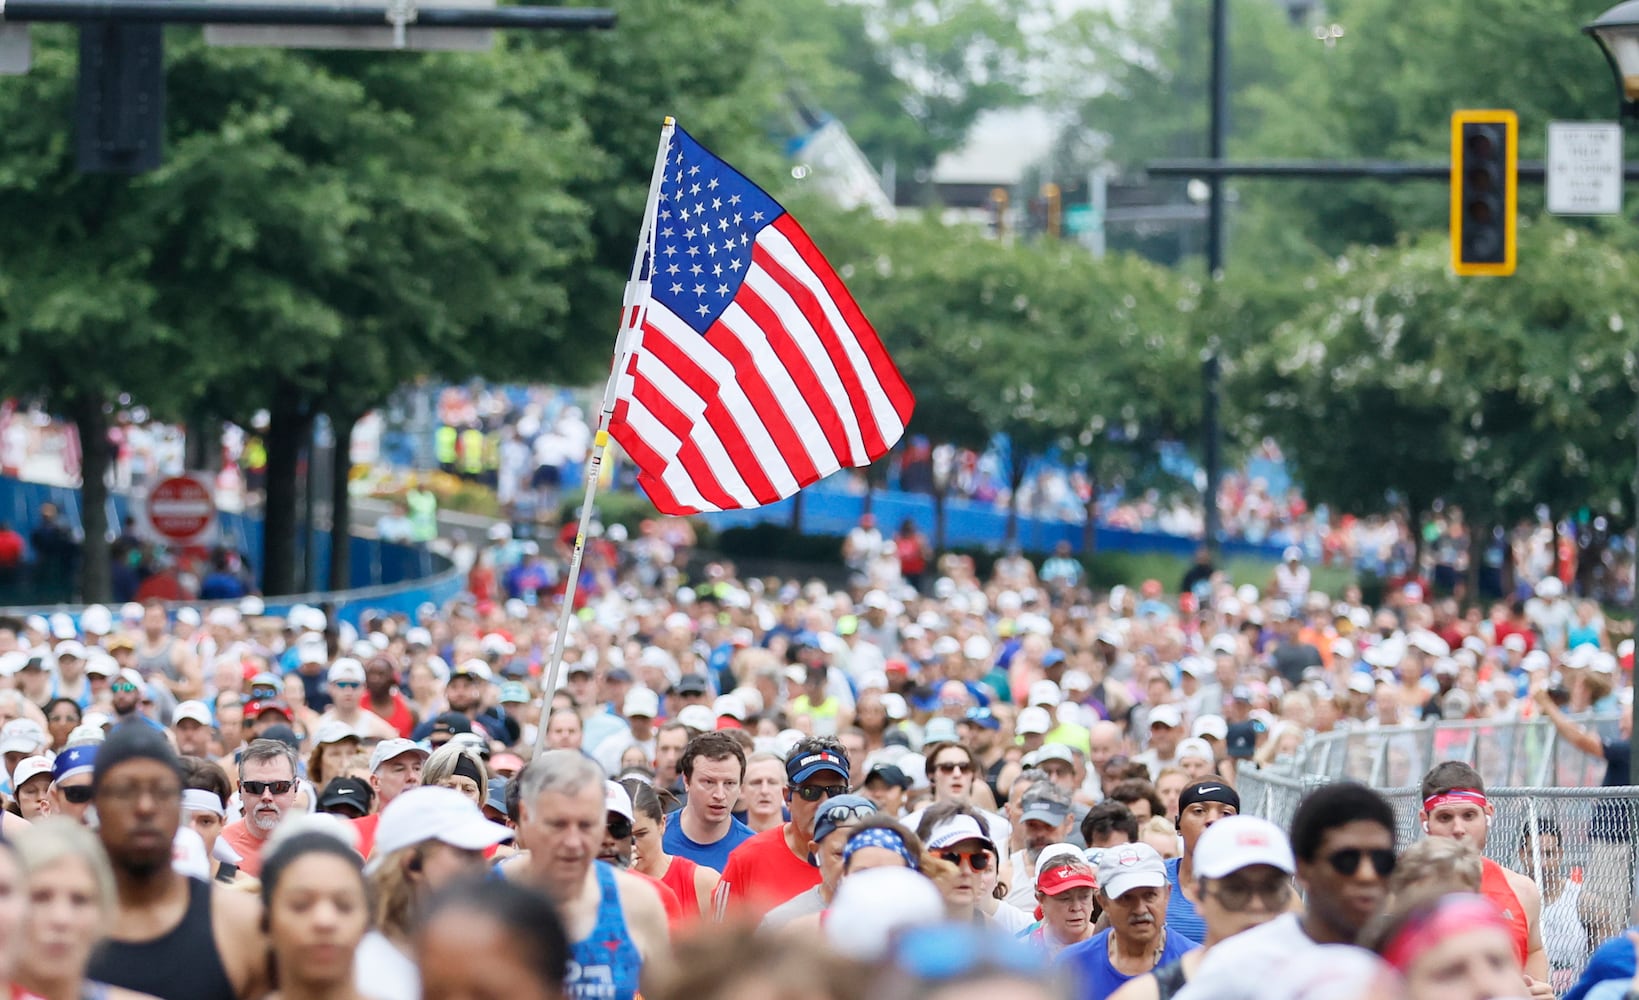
x,y
255,788
813,793
620,828
1347,861
977,861
77,794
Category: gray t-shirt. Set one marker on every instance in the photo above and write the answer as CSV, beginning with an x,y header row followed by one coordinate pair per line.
x,y
801,905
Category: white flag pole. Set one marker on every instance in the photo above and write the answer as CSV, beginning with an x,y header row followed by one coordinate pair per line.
x,y
632,308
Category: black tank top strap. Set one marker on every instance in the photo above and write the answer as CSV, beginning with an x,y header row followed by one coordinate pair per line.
x,y
1170,979
181,964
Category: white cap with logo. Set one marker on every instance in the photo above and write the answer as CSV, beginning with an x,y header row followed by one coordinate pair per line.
x,y
1129,867
431,813
1237,842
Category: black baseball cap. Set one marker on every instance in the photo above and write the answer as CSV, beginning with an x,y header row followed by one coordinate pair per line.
x,y
888,774
692,684
346,793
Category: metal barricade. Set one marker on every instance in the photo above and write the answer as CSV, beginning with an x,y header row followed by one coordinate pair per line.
x,y
1552,821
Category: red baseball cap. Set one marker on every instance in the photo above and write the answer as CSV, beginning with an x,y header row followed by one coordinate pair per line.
x,y
1062,877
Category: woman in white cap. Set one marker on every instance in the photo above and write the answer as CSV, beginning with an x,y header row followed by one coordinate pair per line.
x,y
956,833
71,904
428,837
335,752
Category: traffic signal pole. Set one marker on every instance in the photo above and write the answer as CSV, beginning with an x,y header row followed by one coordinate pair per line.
x,y
312,15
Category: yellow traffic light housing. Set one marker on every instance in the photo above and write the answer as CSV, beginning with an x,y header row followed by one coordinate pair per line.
x,y
1484,190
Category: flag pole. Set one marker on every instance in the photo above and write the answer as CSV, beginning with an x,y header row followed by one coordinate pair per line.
x,y
634,303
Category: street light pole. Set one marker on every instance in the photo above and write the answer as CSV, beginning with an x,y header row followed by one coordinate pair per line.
x,y
1215,264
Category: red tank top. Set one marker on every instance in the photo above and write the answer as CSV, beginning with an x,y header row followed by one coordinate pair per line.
x,y
1494,886
679,878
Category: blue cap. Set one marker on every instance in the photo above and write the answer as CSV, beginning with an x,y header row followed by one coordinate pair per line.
x,y
800,769
838,811
495,794
265,679
74,760
983,718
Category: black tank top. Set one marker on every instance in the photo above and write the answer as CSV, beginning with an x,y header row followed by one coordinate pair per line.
x,y
181,964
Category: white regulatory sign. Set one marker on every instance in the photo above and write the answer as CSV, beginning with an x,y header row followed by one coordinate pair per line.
x,y
14,49
1584,168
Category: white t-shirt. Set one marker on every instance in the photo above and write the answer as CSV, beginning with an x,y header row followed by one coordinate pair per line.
x,y
382,972
1279,952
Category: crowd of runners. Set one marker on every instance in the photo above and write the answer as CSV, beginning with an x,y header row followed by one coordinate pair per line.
x,y
748,788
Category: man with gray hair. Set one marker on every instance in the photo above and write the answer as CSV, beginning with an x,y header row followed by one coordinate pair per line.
x,y
615,921
267,789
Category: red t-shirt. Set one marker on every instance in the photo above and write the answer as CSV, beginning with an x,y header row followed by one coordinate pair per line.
x,y
400,718
366,827
762,873
249,846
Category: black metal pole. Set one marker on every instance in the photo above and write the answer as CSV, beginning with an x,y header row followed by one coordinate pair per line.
x,y
1215,265
198,12
1533,171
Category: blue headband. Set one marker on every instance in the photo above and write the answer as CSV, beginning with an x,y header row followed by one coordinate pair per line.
x,y
877,836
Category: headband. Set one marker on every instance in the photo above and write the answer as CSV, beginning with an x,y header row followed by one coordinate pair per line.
x,y
467,769
1458,913
199,800
877,836
1467,796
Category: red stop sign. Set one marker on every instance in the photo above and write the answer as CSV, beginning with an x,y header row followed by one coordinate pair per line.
x,y
180,508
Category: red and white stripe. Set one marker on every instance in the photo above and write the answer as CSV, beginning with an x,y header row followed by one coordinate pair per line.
x,y
789,385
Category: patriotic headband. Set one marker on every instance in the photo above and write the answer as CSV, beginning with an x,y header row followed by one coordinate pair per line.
x,y
1458,913
1466,796
877,836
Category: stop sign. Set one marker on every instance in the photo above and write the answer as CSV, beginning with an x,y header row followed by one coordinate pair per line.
x,y
180,509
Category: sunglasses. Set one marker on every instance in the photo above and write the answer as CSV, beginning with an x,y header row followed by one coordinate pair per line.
x,y
1347,861
813,793
122,687
255,789
977,861
1236,895
951,767
839,814
77,794
347,685
620,828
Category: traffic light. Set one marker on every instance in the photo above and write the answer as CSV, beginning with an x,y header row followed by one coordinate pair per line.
x,y
1054,200
120,116
1484,182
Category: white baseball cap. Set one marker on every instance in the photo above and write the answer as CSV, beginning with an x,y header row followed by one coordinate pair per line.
x,y
1165,715
1045,692
1033,720
730,705
958,829
334,731
617,800
872,906
431,813
386,750
1212,726
101,664
698,717
345,669
1237,842
195,710
97,620
1132,866
22,736
640,702
30,767
1195,748
62,626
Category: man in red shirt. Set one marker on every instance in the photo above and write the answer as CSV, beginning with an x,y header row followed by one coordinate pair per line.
x,y
775,865
395,768
381,695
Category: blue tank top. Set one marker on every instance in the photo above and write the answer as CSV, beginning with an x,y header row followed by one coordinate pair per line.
x,y
1181,915
605,964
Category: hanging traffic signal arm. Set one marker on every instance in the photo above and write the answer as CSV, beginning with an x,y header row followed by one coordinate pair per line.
x,y
1484,189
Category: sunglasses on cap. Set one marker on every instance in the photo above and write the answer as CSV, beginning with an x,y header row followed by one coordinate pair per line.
x,y
813,793
1347,861
255,789
844,813
976,861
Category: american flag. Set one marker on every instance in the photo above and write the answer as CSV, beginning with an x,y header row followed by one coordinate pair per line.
x,y
754,373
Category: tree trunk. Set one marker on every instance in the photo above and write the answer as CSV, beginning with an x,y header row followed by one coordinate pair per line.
x,y
287,431
96,575
203,452
939,498
1479,535
1089,521
341,510
1015,478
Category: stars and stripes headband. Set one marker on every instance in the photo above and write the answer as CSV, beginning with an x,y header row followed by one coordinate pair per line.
x,y
877,836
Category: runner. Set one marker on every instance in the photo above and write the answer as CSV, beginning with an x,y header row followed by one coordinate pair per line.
x,y
689,881
492,939
71,905
1199,807
317,910
395,768
831,826
775,865
1243,868
1450,947
1066,891
71,781
427,839
1132,889
615,921
705,831
173,937
1454,806
267,789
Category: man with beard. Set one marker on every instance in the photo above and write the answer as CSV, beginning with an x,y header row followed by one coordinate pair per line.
x,y
126,694
1045,819
465,694
173,937
617,846
267,788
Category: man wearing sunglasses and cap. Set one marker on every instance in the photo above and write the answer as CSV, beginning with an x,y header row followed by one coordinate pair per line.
x,y
831,825
1132,889
1343,840
775,865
